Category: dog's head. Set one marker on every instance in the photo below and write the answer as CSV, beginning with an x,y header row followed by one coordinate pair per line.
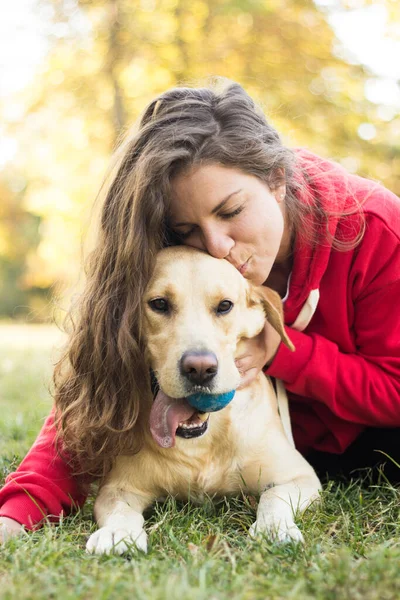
x,y
197,309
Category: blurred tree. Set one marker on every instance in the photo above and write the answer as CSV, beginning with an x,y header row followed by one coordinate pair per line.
x,y
108,58
19,237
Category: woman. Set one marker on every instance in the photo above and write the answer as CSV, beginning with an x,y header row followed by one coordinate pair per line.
x,y
205,169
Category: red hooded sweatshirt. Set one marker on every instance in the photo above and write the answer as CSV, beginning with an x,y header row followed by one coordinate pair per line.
x,y
345,373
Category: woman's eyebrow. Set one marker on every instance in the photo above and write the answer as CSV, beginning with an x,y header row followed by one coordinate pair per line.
x,y
216,208
224,201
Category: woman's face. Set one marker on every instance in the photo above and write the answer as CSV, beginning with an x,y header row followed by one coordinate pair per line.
x,y
231,215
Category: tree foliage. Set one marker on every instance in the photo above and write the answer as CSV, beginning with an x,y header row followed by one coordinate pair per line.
x,y
108,58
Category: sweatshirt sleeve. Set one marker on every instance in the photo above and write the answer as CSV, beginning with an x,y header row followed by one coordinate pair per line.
x,y
362,387
43,486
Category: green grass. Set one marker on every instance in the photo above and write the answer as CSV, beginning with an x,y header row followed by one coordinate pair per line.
x,y
352,548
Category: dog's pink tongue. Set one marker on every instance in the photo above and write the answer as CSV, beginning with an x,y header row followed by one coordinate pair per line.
x,y
165,416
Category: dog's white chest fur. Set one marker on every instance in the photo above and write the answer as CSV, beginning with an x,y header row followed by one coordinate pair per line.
x,y
232,454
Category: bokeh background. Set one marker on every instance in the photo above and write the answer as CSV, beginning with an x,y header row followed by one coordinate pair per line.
x,y
75,74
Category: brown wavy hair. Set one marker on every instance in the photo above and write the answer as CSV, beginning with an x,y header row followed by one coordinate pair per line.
x,y
102,384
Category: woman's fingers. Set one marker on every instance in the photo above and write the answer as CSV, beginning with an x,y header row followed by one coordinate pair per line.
x,y
248,377
9,528
257,352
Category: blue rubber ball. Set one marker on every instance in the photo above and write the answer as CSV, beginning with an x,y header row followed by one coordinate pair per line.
x,y
210,402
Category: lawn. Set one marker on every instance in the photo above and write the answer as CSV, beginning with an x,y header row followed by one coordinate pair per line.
x,y
352,548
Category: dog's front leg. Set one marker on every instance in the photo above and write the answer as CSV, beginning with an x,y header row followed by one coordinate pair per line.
x,y
278,506
119,514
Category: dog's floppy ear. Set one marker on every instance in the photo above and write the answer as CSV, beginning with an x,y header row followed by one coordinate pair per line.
x,y
272,305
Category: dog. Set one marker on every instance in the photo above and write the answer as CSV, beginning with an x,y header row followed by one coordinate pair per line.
x,y
198,310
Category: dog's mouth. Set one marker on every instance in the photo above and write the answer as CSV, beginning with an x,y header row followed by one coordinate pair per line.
x,y
171,417
193,427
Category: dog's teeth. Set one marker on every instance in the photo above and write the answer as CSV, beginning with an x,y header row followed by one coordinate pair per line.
x,y
188,425
203,416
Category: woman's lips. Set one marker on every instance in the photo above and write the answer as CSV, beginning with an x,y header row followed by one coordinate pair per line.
x,y
244,266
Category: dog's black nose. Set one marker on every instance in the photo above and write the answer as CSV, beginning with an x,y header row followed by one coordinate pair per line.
x,y
199,367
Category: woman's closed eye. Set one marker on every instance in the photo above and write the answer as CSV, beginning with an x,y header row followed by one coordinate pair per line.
x,y
233,213
183,235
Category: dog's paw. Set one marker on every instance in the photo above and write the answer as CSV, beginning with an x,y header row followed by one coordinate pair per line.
x,y
281,532
107,540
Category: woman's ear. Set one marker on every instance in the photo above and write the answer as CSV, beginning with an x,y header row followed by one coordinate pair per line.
x,y
280,193
272,305
278,185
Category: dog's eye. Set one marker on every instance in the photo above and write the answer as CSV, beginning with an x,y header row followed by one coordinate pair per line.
x,y
224,307
159,305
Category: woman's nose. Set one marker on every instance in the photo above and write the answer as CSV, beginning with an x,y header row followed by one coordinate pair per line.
x,y
218,244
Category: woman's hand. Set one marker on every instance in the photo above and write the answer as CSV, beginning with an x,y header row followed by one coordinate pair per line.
x,y
9,528
257,353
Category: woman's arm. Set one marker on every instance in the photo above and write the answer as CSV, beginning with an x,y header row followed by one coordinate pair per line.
x,y
362,386
43,486
356,388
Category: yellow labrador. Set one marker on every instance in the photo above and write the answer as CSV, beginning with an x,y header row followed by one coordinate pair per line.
x,y
197,311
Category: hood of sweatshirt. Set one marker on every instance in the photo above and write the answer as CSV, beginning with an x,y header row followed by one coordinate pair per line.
x,y
329,187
